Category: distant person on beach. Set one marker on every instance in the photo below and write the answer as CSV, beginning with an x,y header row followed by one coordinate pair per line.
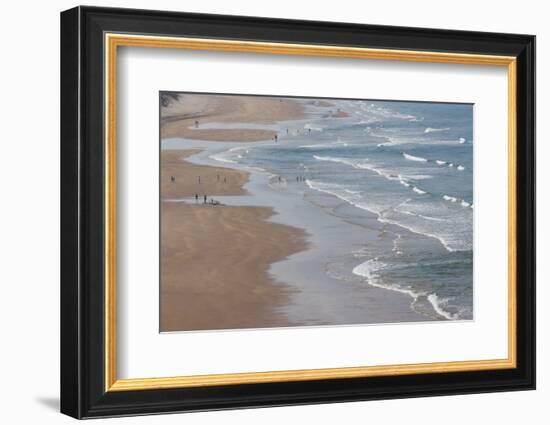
x,y
205,199
287,131
199,179
276,137
172,179
224,180
196,124
218,176
309,130
196,197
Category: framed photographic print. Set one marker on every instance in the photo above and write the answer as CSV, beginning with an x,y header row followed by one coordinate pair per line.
x,y
261,212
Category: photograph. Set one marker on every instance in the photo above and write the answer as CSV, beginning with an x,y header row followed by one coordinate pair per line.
x,y
281,212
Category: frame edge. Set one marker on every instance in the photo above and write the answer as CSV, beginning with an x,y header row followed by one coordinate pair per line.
x,y
70,348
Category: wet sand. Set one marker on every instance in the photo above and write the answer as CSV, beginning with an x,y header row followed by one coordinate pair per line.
x,y
215,258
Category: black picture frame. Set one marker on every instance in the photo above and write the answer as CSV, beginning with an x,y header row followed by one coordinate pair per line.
x,y
83,392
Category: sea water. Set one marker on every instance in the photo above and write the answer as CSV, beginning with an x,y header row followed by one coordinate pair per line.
x,y
410,164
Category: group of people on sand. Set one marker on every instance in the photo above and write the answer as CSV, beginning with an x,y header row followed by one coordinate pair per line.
x,y
205,200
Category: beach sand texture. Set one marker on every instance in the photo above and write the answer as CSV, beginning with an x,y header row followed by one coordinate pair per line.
x,y
214,258
178,118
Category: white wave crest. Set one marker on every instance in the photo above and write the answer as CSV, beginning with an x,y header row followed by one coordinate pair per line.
x,y
351,162
438,303
221,158
419,191
456,200
433,130
414,158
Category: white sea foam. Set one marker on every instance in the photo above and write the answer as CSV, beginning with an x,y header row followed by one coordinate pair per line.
x,y
369,269
356,200
433,130
425,217
221,158
414,158
363,164
371,113
459,167
404,182
457,200
438,303
347,161
419,191
462,140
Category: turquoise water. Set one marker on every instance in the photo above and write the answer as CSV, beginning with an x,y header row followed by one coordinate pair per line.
x,y
408,163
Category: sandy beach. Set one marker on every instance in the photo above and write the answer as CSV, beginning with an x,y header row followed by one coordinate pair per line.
x,y
180,117
213,180
214,258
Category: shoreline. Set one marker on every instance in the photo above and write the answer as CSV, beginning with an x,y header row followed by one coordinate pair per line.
x,y
315,298
238,292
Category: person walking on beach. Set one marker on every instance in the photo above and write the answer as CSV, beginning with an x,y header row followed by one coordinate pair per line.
x,y
196,197
205,198
276,137
225,180
199,179
172,179
196,124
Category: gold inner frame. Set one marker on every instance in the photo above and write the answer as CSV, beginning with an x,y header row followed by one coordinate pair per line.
x,y
113,41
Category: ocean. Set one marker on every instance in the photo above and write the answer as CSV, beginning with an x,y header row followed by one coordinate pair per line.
x,y
408,164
